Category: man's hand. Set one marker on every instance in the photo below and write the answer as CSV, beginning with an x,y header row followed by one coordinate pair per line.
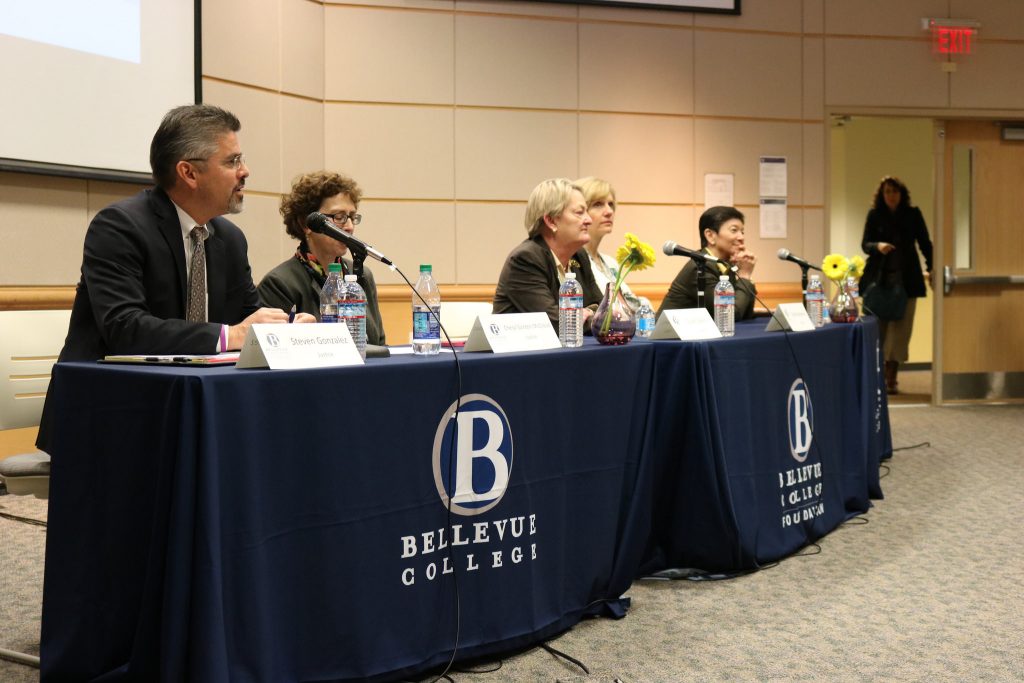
x,y
236,333
885,247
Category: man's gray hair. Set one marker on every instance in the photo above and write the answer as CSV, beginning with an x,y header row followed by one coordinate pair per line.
x,y
188,132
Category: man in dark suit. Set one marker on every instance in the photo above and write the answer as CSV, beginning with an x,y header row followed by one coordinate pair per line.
x,y
140,291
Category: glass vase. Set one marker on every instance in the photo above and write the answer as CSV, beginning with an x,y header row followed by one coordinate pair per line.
x,y
614,323
843,308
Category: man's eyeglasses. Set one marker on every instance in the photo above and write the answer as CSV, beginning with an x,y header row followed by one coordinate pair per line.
x,y
233,163
342,218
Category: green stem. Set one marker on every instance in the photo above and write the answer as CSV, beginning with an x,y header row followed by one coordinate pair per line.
x,y
624,269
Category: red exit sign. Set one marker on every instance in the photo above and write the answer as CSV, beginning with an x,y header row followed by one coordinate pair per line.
x,y
952,40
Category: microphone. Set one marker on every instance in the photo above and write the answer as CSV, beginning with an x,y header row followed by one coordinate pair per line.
x,y
672,249
317,222
785,255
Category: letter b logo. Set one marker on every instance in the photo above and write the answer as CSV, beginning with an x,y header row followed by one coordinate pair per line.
x,y
801,420
472,463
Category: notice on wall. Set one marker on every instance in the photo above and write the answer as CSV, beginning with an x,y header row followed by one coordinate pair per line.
x,y
773,177
718,189
773,218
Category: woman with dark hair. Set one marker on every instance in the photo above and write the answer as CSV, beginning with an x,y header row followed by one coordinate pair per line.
x,y
298,280
722,235
892,229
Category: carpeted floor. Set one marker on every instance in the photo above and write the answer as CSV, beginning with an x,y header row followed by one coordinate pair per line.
x,y
926,587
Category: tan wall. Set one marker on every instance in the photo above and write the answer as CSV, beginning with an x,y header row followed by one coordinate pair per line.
x,y
449,112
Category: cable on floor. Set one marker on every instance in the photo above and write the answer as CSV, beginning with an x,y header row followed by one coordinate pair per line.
x,y
23,520
568,658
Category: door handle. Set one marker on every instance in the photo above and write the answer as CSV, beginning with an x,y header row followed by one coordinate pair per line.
x,y
949,278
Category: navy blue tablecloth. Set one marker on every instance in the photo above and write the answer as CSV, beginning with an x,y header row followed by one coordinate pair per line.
x,y
248,525
761,443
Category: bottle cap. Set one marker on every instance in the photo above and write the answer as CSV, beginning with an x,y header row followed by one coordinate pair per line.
x,y
569,275
723,277
351,277
334,268
425,268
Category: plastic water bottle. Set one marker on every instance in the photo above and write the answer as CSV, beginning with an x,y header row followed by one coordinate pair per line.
x,y
329,294
853,287
352,310
426,330
815,301
645,320
725,306
570,312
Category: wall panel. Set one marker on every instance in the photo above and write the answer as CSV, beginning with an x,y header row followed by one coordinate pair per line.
x,y
485,233
504,154
760,78
260,114
242,41
394,152
375,55
302,48
302,138
879,72
636,69
515,62
725,146
992,77
410,233
27,203
647,158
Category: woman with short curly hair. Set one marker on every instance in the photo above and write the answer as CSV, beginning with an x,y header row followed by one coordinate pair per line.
x,y
298,280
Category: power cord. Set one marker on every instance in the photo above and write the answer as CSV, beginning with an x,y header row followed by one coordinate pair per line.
x,y
23,520
451,477
923,444
568,658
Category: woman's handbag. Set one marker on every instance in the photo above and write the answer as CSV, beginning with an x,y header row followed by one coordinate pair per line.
x,y
885,300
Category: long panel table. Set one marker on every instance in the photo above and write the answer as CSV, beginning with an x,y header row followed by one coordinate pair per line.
x,y
247,525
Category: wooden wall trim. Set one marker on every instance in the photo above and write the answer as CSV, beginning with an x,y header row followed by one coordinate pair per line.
x,y
36,297
60,297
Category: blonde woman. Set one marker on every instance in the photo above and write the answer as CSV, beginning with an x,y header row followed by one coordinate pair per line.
x,y
558,227
601,206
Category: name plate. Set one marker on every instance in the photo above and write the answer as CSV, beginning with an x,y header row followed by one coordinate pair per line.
x,y
792,317
291,347
688,324
507,332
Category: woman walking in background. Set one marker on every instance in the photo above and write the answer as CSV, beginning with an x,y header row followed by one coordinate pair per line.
x,y
892,230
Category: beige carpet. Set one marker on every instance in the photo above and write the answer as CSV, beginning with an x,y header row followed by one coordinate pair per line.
x,y
928,589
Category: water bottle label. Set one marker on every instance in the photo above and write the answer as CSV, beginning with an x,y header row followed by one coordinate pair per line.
x,y
425,326
570,302
328,318
645,324
725,299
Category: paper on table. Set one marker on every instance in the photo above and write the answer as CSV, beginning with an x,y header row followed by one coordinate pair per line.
x,y
227,358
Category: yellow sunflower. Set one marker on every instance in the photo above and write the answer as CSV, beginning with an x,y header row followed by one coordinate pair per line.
x,y
857,267
835,267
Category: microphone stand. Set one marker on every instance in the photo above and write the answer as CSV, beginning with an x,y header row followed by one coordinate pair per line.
x,y
803,282
359,255
700,282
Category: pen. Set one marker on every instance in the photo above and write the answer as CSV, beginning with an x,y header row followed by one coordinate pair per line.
x,y
291,314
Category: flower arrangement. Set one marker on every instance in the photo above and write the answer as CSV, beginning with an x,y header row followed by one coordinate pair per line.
x,y
632,255
837,267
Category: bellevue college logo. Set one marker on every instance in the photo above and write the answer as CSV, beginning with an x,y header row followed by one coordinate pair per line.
x,y
800,417
483,455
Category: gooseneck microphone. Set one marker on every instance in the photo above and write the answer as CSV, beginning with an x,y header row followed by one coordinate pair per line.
x,y
672,249
317,222
786,255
